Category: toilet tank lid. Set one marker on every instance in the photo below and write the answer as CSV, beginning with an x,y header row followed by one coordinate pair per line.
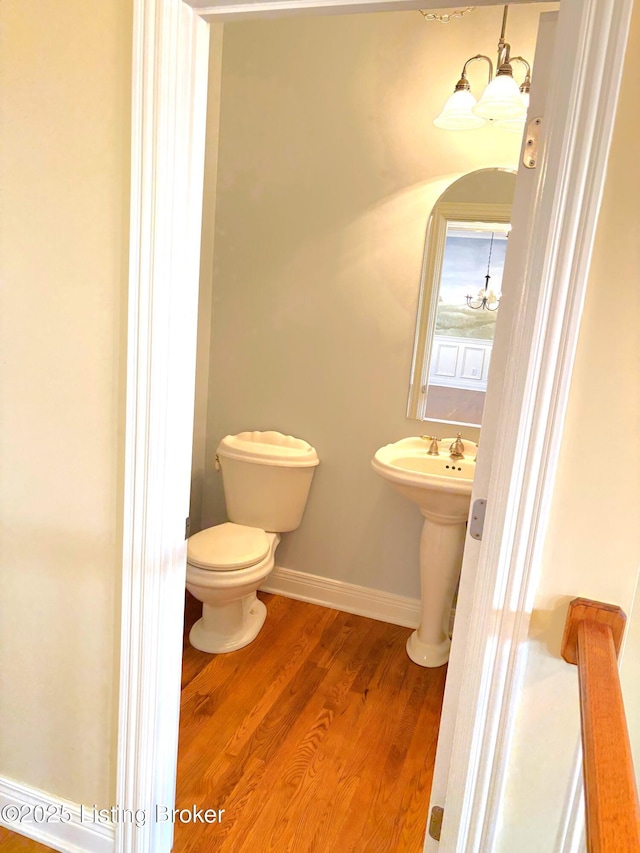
x,y
269,448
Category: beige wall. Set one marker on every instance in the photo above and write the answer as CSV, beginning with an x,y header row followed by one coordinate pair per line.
x,y
64,158
592,547
329,165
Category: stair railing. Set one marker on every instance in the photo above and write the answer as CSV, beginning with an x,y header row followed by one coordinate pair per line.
x,y
592,637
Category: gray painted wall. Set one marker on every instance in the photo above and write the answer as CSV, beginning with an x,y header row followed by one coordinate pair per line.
x,y
328,168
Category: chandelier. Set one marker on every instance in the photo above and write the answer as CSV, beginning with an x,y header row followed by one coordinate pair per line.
x,y
486,299
503,102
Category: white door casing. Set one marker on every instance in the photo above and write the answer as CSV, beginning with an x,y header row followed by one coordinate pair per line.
x,y
170,53
509,347
168,127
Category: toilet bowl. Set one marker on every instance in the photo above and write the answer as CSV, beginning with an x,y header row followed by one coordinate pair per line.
x,y
225,566
266,480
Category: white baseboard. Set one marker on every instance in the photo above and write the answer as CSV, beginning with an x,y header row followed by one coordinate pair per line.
x,y
37,815
361,600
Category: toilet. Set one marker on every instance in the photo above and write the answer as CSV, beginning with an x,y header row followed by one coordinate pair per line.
x,y
266,478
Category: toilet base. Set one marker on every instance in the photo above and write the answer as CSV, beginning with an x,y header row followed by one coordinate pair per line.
x,y
229,626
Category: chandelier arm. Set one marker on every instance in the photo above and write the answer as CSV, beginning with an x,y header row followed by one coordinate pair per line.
x,y
483,303
473,59
524,62
527,76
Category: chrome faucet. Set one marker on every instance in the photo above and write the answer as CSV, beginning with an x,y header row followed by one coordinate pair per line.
x,y
433,447
456,449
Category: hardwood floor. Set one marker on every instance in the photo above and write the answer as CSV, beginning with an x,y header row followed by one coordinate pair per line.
x,y
455,404
11,842
319,736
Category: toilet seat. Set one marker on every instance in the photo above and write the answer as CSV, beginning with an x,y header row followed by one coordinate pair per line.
x,y
227,546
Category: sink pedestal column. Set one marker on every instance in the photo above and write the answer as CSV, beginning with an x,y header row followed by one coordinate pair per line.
x,y
441,547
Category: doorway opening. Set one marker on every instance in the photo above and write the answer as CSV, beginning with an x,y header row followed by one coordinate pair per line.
x,y
312,252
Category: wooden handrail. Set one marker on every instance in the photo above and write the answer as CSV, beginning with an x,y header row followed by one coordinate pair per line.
x,y
592,637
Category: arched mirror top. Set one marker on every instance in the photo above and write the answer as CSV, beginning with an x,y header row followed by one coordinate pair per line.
x,y
484,186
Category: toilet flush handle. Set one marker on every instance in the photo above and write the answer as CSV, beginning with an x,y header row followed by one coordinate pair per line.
x,y
216,464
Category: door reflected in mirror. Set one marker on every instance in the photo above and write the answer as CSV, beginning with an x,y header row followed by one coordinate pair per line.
x,y
460,296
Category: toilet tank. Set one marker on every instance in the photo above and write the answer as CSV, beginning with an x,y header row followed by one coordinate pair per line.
x,y
266,478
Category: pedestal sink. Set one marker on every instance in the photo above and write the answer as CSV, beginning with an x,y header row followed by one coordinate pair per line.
x,y
441,488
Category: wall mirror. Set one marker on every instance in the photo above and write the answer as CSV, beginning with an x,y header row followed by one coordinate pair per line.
x,y
460,294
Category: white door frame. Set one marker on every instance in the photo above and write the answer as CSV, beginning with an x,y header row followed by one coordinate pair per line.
x,y
170,51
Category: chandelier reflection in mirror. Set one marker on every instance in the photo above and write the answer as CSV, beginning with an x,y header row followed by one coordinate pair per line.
x,y
503,103
486,298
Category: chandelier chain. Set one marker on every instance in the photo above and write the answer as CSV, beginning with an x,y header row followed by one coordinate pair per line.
x,y
447,16
490,253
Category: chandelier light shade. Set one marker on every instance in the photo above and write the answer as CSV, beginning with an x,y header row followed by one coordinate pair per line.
x,y
503,103
458,114
501,99
516,125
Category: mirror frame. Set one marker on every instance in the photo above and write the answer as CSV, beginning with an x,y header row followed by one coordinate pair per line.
x,y
442,214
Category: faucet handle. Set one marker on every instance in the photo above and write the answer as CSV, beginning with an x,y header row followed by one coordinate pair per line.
x,y
456,449
433,447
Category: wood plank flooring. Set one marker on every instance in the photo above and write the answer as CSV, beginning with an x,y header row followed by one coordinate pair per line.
x,y
11,842
454,404
319,736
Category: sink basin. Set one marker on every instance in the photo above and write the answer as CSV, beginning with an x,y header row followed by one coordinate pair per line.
x,y
439,485
441,488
